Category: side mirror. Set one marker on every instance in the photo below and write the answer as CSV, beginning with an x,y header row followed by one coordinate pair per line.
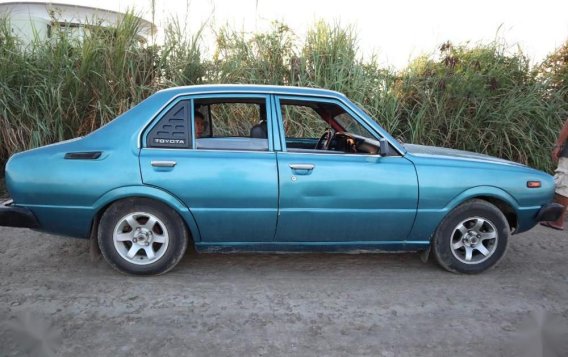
x,y
384,149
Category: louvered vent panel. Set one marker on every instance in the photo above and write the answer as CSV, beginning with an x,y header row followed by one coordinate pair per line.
x,y
172,130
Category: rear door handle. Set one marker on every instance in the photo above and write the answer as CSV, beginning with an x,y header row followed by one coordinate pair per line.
x,y
163,163
302,166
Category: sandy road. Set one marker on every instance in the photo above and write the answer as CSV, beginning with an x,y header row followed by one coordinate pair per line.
x,y
52,298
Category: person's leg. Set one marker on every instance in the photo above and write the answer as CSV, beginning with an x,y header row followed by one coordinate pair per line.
x,y
561,196
559,223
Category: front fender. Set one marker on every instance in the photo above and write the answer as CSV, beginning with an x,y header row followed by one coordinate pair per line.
x,y
428,219
482,191
152,193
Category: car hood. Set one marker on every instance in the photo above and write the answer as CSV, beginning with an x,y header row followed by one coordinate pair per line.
x,y
423,150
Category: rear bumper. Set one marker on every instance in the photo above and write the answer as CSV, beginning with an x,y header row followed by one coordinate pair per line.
x,y
550,212
12,216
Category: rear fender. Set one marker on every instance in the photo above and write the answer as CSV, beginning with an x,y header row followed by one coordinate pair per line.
x,y
152,193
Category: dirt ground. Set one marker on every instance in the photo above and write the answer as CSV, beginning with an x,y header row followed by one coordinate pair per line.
x,y
55,301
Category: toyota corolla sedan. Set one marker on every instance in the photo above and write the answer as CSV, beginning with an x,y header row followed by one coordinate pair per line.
x,y
239,168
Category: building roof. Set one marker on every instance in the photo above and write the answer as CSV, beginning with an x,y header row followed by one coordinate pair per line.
x,y
50,4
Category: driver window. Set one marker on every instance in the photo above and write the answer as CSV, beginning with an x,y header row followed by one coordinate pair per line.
x,y
350,125
302,122
324,127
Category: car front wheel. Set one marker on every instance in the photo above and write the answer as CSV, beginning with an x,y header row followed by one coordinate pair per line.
x,y
472,238
141,236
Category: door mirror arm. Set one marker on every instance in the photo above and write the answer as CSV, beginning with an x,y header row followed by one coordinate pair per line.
x,y
384,148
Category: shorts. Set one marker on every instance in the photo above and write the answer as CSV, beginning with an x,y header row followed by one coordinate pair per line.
x,y
561,177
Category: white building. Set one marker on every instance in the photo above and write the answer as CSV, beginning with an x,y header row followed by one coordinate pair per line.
x,y
29,19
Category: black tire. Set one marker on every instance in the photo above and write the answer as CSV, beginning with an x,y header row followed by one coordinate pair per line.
x,y
158,249
469,227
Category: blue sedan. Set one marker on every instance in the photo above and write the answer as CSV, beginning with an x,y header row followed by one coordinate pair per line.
x,y
237,168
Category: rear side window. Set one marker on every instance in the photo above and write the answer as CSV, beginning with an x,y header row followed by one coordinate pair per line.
x,y
172,131
231,124
234,119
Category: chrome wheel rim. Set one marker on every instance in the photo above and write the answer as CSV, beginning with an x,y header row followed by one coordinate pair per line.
x,y
140,238
474,240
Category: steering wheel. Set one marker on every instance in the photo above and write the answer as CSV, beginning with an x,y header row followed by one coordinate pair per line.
x,y
324,140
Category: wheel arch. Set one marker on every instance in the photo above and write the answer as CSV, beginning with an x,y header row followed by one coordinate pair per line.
x,y
494,195
105,201
507,210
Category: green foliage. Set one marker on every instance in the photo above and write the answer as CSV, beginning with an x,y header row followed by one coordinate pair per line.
x,y
480,98
64,87
262,58
180,58
554,71
330,57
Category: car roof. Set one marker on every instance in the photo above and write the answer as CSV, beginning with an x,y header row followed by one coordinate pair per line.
x,y
253,88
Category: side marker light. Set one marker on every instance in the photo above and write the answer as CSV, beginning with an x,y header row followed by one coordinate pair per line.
x,y
533,184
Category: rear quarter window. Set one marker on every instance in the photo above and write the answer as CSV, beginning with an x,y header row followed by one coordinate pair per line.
x,y
172,130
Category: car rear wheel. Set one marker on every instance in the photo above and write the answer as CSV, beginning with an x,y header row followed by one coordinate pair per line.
x,y
141,236
472,238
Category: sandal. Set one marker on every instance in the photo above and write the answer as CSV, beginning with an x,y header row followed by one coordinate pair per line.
x,y
550,225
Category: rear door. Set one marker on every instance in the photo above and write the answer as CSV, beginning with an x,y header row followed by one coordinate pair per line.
x,y
226,178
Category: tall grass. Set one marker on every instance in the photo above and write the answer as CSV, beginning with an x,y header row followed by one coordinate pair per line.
x,y
481,98
261,58
57,89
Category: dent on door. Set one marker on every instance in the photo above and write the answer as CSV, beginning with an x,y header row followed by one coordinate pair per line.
x,y
345,198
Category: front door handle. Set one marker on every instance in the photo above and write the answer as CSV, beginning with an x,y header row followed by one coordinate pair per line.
x,y
163,163
307,167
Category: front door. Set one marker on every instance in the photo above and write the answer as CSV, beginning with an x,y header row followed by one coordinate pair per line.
x,y
331,195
